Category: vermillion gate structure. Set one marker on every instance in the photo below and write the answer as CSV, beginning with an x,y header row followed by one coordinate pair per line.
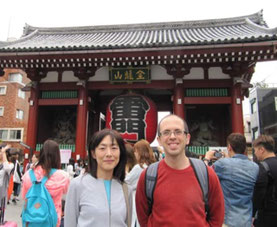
x,y
199,70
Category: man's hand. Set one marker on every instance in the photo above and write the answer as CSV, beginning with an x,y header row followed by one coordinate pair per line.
x,y
6,148
210,155
253,222
3,152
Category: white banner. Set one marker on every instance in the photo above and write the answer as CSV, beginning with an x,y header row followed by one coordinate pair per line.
x,y
224,149
65,155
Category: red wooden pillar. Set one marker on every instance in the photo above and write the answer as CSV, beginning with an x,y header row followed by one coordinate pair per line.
x,y
81,124
236,110
32,127
178,99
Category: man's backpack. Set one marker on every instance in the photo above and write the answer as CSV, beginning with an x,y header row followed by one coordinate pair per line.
x,y
39,209
201,173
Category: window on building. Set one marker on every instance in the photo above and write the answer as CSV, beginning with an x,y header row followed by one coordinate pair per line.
x,y
248,126
21,94
19,114
15,77
3,90
253,105
255,133
15,134
1,111
4,134
11,134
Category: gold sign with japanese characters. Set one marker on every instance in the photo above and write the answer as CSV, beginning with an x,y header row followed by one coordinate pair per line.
x,y
130,75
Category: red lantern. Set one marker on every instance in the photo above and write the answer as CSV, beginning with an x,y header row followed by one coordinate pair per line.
x,y
134,116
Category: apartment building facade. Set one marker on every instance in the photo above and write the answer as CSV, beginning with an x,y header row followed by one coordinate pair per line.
x,y
263,103
14,107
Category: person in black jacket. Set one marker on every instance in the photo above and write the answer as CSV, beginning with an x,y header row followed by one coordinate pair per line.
x,y
16,178
265,192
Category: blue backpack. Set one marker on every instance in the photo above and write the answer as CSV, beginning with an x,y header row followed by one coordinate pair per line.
x,y
39,209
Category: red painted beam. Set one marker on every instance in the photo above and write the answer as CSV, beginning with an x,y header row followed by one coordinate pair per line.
x,y
207,100
236,110
58,86
57,102
157,84
178,101
32,123
105,85
81,124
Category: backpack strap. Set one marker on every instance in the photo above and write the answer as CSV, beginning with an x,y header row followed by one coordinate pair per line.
x,y
267,169
125,192
201,173
150,183
32,176
44,179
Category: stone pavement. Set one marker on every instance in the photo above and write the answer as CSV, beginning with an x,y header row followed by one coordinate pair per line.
x,y
13,212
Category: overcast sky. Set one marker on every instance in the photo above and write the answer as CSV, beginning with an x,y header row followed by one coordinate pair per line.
x,y
15,13
61,13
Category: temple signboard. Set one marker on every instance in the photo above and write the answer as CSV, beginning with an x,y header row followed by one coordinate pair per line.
x,y
129,74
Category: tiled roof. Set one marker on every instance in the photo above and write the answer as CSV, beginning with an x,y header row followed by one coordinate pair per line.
x,y
251,28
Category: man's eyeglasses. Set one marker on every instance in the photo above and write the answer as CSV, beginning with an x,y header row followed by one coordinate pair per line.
x,y
167,133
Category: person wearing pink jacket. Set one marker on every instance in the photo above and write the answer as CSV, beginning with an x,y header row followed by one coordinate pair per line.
x,y
58,183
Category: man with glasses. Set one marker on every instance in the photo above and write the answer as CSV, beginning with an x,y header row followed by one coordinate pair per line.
x,y
178,198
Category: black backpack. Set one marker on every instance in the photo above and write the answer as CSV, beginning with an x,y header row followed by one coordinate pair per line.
x,y
270,177
201,173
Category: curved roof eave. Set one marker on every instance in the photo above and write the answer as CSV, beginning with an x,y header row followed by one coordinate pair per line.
x,y
21,39
118,50
261,28
255,18
236,30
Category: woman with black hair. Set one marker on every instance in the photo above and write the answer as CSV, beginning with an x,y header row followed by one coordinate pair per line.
x,y
99,197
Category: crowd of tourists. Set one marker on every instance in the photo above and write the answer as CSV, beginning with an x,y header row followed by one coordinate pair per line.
x,y
133,185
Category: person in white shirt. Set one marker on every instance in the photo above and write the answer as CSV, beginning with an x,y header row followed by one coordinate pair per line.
x,y
145,156
79,167
71,168
5,171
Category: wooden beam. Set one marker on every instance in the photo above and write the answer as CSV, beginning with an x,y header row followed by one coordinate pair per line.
x,y
57,102
207,100
58,86
105,85
208,83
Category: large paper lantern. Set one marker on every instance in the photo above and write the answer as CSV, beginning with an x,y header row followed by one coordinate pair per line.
x,y
133,116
